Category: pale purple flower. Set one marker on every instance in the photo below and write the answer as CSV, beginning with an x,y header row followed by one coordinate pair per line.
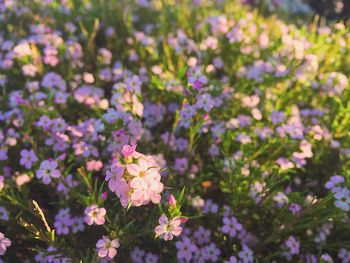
x,y
53,256
78,224
231,226
61,97
281,199
284,163
28,157
294,208
114,176
151,258
233,259
3,154
212,252
53,80
48,169
68,184
201,255
117,183
277,117
107,248
205,102
344,255
181,165
246,255
235,35
244,120
196,78
109,31
137,255
63,221
44,122
94,214
185,248
298,159
218,62
181,144
343,199
213,150
293,245
324,231
334,181
327,258
202,235
210,207
4,214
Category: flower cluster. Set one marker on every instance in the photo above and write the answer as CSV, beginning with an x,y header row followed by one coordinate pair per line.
x,y
153,131
136,180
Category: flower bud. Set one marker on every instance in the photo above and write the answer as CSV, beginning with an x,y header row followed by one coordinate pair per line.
x,y
128,152
104,195
184,220
172,200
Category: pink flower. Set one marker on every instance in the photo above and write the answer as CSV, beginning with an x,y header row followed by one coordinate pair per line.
x,y
94,165
4,243
94,214
107,248
143,173
22,50
21,179
167,230
284,163
139,183
2,184
145,182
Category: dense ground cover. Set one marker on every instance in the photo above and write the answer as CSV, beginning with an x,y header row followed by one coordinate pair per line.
x,y
155,131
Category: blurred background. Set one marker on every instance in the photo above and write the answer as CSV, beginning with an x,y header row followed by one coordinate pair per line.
x,y
331,9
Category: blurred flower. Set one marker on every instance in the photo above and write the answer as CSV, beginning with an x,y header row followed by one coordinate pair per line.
x,y
2,184
28,158
4,243
186,248
246,255
4,214
293,245
231,226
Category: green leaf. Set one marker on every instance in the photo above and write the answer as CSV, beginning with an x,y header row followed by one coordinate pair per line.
x,y
180,199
